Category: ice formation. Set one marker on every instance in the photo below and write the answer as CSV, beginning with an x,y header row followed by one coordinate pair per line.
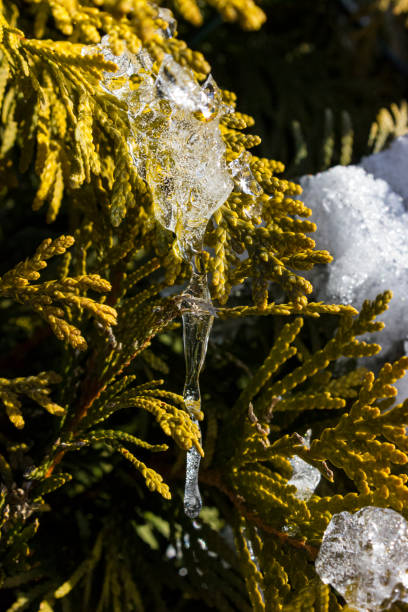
x,y
176,143
304,477
177,148
363,223
196,331
364,556
241,172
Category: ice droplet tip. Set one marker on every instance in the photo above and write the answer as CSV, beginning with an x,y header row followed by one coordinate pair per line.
x,y
192,509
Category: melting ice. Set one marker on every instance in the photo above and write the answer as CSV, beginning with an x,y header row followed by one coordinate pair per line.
x,y
177,148
364,556
305,478
176,142
241,172
171,24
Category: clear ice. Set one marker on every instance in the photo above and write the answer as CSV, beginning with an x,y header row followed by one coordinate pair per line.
x,y
304,477
196,331
177,148
364,556
175,142
244,179
254,558
391,165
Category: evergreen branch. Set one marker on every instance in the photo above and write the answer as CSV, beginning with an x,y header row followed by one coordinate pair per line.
x,y
214,478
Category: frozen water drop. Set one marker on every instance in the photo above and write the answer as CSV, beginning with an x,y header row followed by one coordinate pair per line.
x,y
364,556
167,16
244,179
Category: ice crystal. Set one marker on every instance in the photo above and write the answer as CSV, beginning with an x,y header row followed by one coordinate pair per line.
x,y
364,556
167,16
196,331
119,83
304,477
241,172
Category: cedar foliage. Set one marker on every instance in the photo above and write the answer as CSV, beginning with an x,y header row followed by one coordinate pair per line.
x,y
93,427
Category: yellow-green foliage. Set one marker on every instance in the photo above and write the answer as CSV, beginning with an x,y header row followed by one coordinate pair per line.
x,y
35,387
368,443
77,134
64,140
44,297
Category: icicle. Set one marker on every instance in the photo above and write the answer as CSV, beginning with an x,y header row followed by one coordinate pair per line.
x,y
196,331
176,146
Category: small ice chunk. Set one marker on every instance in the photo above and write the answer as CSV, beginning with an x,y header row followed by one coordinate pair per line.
x,y
364,556
119,82
304,477
241,172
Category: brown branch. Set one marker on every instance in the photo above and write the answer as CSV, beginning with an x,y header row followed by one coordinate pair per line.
x,y
92,387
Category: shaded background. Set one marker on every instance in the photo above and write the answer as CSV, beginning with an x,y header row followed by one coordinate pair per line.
x,y
316,73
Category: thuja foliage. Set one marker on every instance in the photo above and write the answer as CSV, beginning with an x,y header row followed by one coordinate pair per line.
x,y
94,430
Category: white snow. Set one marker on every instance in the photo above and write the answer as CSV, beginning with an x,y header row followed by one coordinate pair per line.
x,y
392,166
361,219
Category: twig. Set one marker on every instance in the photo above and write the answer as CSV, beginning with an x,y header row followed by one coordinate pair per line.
x,y
213,478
